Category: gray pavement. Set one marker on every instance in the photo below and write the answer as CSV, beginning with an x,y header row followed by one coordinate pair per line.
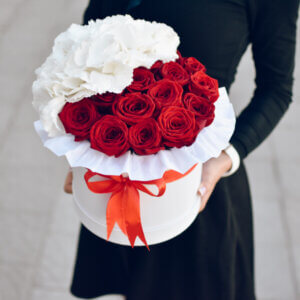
x,y
38,225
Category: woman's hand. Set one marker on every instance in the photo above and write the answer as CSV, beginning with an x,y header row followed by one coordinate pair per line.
x,y
212,171
68,183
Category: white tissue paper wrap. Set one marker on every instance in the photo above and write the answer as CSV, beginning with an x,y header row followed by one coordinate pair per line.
x,y
98,58
209,143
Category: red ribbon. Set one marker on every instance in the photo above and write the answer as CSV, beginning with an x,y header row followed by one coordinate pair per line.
x,y
123,206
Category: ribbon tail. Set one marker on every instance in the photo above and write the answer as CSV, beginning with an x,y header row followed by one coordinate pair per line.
x,y
115,212
132,215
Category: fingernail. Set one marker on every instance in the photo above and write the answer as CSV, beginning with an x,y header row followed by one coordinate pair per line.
x,y
202,190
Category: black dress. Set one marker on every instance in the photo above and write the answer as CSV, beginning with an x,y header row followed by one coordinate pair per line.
x,y
213,258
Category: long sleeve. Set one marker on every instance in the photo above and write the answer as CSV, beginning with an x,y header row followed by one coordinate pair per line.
x,y
273,37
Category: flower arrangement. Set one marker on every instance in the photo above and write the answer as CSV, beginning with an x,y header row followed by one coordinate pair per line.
x,y
165,106
116,96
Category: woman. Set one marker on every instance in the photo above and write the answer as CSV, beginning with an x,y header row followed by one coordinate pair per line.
x,y
213,258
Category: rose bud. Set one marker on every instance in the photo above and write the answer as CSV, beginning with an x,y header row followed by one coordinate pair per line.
x,y
180,58
134,107
110,136
174,71
202,107
79,117
166,92
155,69
145,137
177,126
203,85
192,65
104,101
142,80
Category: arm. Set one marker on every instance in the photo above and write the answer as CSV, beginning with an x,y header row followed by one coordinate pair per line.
x,y
273,36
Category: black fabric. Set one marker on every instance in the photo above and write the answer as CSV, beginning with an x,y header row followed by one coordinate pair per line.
x,y
211,260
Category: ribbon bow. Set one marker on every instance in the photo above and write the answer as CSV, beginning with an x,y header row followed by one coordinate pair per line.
x,y
123,206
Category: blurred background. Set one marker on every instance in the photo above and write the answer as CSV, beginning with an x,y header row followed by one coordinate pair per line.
x,y
38,224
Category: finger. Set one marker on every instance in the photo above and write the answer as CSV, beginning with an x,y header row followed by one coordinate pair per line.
x,y
201,191
203,202
202,206
68,189
68,183
205,197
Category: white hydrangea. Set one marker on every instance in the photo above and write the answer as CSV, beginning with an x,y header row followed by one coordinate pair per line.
x,y
97,58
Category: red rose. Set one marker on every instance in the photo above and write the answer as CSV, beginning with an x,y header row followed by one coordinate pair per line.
x,y
166,92
174,71
110,136
104,101
155,69
134,107
79,117
203,108
177,126
142,80
192,65
180,59
204,85
145,137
